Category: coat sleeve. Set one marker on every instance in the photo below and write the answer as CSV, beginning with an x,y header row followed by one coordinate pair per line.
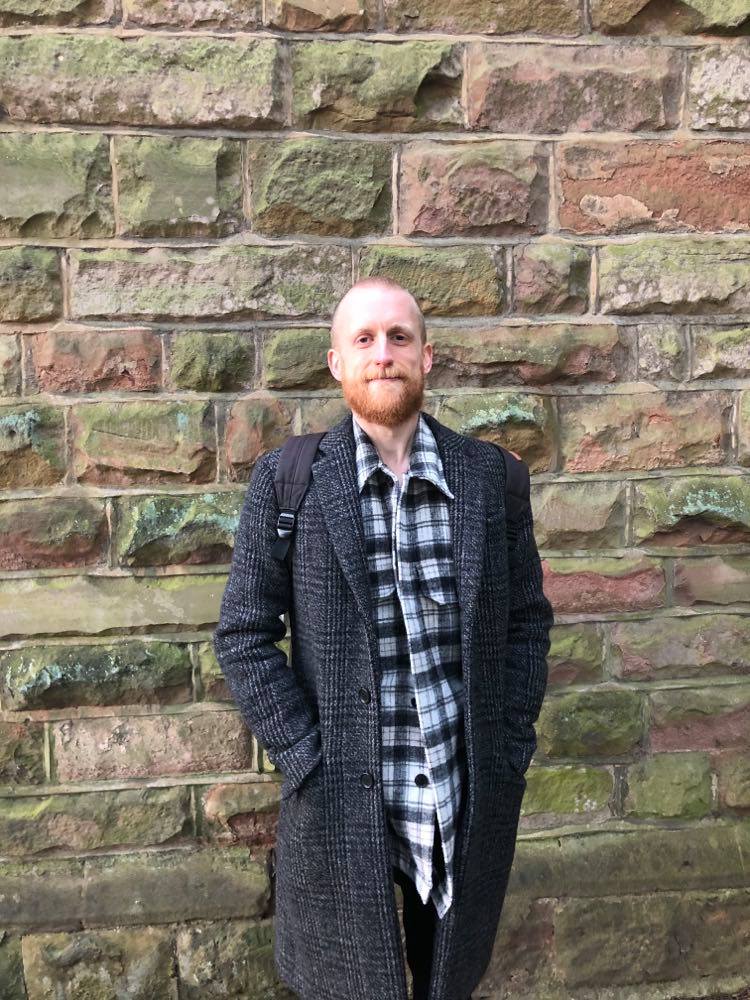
x,y
272,703
525,670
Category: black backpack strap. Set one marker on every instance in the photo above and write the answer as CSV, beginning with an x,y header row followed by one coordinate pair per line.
x,y
517,492
290,482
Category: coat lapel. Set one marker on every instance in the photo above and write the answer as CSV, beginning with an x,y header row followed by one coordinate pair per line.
x,y
335,479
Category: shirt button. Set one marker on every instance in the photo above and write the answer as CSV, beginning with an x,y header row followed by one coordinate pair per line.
x,y
421,780
414,702
367,779
364,694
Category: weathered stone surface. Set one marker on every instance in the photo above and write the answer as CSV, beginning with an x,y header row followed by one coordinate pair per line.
x,y
550,278
523,952
52,531
685,646
588,515
253,427
743,447
86,605
85,360
21,753
296,358
644,430
232,15
733,772
688,15
640,860
211,362
699,510
532,355
168,81
106,963
32,446
669,785
719,88
241,812
166,530
675,274
491,188
321,15
134,672
713,579
10,366
576,655
133,889
30,287
685,186
323,187
90,820
691,719
226,282
238,956
11,967
320,414
664,937
662,351
518,421
55,184
559,88
602,722
144,442
178,187
721,353
446,281
67,12
148,746
577,585
359,86
558,18
568,790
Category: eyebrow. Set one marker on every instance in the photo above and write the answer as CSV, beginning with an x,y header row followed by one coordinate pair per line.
x,y
397,328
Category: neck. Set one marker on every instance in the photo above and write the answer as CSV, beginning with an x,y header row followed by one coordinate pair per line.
x,y
393,444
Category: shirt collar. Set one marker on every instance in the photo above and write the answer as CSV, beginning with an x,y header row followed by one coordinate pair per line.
x,y
424,459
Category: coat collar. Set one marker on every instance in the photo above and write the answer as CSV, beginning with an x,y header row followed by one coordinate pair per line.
x,y
335,477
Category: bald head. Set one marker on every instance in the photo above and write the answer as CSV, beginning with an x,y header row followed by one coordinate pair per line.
x,y
347,304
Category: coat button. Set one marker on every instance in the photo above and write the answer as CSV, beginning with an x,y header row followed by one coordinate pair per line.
x,y
422,779
364,694
367,779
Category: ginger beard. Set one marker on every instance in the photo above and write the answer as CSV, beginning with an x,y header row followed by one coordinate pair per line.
x,y
382,399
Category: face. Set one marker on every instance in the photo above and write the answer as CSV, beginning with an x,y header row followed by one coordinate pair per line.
x,y
378,355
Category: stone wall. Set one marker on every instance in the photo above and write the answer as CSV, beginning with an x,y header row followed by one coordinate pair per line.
x,y
185,190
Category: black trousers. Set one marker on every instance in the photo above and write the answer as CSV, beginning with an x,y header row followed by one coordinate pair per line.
x,y
420,921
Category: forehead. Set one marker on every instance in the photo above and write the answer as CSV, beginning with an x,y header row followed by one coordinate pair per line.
x,y
377,306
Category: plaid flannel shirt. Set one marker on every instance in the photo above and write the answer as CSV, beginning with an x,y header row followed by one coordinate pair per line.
x,y
412,577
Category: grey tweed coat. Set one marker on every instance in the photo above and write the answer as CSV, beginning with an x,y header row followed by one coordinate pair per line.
x,y
337,934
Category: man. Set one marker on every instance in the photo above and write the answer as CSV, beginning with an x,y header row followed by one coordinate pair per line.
x,y
405,721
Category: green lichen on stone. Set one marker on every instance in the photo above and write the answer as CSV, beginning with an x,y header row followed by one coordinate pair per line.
x,y
37,677
576,645
717,500
600,722
179,187
31,445
296,358
365,86
567,789
211,362
21,753
30,285
141,81
320,186
446,281
670,785
164,530
63,12
55,184
11,967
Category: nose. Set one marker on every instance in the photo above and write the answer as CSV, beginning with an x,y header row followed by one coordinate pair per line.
x,y
383,351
